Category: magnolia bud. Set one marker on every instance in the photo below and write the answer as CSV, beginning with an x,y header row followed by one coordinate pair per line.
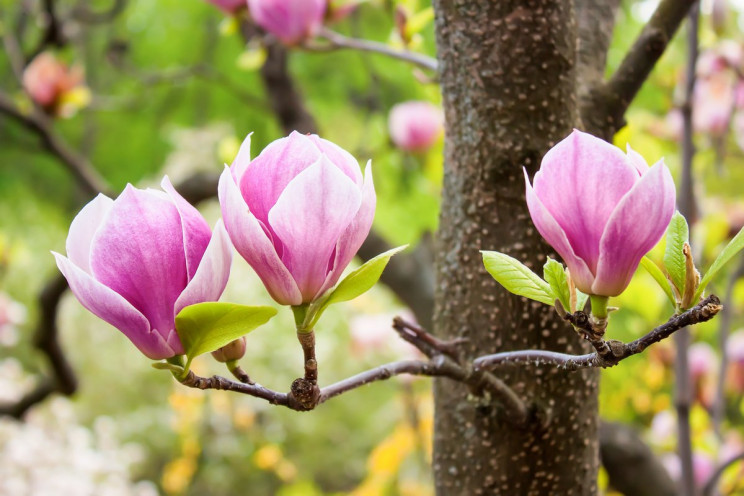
x,y
230,352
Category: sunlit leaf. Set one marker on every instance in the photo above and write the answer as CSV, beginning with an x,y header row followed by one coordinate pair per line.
x,y
659,277
555,276
731,249
674,260
516,277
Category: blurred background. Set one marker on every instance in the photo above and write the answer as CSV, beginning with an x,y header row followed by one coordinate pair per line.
x,y
173,87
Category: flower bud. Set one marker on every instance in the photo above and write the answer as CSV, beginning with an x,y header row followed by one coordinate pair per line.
x,y
57,89
415,126
601,209
136,261
297,214
292,21
230,352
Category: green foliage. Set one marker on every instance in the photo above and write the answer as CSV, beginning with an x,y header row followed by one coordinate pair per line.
x,y
516,277
204,327
674,259
731,249
358,282
660,278
555,275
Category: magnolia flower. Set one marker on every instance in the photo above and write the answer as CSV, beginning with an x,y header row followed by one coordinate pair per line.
x,y
297,213
415,126
136,261
602,210
229,6
292,21
52,85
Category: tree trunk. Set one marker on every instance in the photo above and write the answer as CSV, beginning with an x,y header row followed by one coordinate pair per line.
x,y
508,77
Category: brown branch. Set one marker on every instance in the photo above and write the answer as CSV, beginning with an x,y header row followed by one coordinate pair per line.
x,y
604,109
701,312
85,174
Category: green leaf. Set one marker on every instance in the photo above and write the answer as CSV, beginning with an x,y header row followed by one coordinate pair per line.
x,y
674,260
362,279
168,366
731,249
555,275
205,327
355,284
581,300
516,278
659,277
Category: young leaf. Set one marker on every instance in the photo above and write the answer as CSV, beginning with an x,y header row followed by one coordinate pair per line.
x,y
516,278
362,279
205,327
555,275
731,249
581,300
674,260
659,277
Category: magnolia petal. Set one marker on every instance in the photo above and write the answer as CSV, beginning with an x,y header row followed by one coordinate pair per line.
x,y
351,240
269,173
111,307
636,225
637,160
253,244
309,217
555,236
139,253
242,159
211,276
194,228
340,158
84,227
580,182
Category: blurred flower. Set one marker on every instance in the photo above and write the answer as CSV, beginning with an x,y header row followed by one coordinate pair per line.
x,y
702,468
374,333
602,210
415,126
703,363
59,90
297,213
229,6
735,354
12,315
714,103
663,428
292,21
136,261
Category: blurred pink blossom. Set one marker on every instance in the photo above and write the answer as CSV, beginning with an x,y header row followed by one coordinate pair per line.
x,y
47,80
373,333
415,126
292,21
714,103
12,315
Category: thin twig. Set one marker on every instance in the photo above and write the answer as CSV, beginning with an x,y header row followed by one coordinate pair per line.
x,y
710,485
701,312
35,121
683,387
338,41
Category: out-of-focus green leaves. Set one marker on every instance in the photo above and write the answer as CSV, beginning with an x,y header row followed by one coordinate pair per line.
x,y
731,249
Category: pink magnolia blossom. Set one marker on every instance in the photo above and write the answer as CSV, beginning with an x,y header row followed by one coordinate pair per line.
x,y
297,213
136,261
415,126
229,6
702,359
46,80
600,209
714,99
292,21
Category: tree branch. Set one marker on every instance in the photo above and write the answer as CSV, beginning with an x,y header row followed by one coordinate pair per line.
x,y
702,312
39,124
338,41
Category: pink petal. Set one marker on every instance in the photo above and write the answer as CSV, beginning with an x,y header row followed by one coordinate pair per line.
x,y
253,244
84,227
636,225
289,20
555,236
340,158
309,217
269,173
350,241
580,182
117,311
242,159
195,230
139,253
637,160
211,277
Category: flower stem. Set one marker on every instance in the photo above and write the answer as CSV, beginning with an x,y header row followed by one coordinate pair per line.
x,y
599,306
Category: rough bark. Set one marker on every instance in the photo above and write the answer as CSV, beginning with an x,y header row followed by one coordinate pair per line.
x,y
509,93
